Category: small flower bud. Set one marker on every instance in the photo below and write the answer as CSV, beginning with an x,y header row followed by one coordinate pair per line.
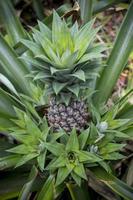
x,y
103,126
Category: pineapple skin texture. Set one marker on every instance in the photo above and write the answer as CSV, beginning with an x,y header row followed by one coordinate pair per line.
x,y
75,115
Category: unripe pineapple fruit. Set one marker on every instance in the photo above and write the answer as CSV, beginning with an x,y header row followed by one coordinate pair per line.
x,y
65,60
67,117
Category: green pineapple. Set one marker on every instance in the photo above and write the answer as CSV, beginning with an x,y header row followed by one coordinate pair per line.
x,y
65,60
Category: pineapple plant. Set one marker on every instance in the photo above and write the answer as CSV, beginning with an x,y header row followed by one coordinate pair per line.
x,y
59,133
65,60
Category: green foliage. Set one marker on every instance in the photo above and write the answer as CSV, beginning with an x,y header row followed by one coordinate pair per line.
x,y
64,47
70,159
115,184
12,67
12,24
47,192
62,58
115,64
27,187
32,140
86,7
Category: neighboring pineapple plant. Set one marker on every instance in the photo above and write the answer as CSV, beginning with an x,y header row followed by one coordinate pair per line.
x,y
54,116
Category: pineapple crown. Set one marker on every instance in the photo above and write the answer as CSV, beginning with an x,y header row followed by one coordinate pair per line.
x,y
64,58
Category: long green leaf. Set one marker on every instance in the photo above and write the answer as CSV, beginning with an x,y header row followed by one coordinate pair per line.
x,y
47,192
13,68
11,22
5,123
8,84
8,161
117,60
126,112
115,184
86,7
78,193
100,188
11,182
6,106
25,192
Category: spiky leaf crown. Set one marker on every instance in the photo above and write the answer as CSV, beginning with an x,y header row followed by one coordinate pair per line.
x,y
64,57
